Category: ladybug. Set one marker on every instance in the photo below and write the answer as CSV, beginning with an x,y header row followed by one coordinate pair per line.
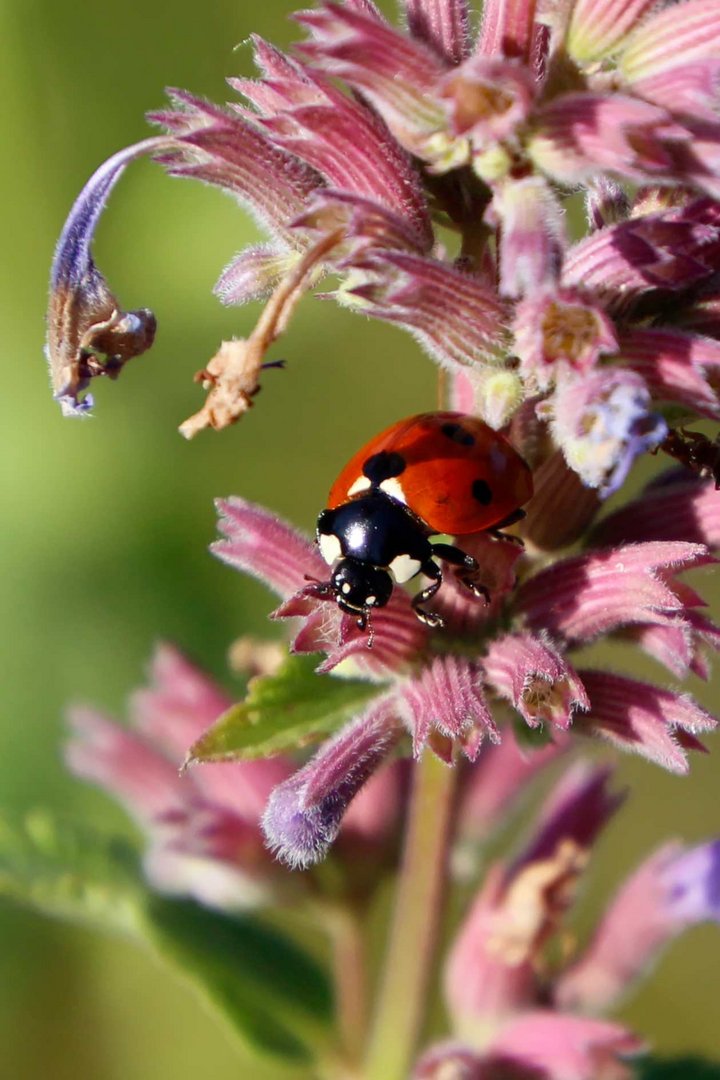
x,y
435,473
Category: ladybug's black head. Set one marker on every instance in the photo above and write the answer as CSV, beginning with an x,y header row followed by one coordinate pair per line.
x,y
360,587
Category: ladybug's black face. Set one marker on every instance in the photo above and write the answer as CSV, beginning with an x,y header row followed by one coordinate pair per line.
x,y
359,587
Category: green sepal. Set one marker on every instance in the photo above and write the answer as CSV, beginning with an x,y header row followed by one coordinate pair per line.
x,y
283,712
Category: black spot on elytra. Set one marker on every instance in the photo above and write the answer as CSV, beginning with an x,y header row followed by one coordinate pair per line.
x,y
458,434
482,492
383,466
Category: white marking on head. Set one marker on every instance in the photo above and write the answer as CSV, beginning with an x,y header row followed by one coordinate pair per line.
x,y
345,588
361,484
403,568
371,600
393,488
329,547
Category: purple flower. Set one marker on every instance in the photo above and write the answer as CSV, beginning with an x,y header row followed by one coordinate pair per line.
x,y
447,702
204,827
508,1009
350,151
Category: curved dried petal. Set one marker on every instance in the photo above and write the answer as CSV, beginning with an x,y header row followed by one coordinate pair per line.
x,y
88,333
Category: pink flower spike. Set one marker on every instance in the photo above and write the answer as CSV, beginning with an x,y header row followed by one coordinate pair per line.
x,y
579,598
455,316
681,508
222,149
598,27
444,24
447,697
673,249
501,777
674,889
254,273
348,145
602,422
535,678
124,763
180,703
304,813
562,1047
690,89
672,37
487,99
577,134
562,507
578,809
507,28
397,74
532,236
260,544
644,719
560,332
676,366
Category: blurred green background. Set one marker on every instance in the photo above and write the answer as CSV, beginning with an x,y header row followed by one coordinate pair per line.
x,y
107,521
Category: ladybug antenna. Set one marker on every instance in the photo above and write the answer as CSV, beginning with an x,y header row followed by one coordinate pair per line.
x,y
365,622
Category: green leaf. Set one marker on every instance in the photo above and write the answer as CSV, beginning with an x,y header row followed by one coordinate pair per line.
x,y
685,1068
271,991
275,997
282,712
70,872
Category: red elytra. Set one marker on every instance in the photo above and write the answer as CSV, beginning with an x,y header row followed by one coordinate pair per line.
x,y
458,475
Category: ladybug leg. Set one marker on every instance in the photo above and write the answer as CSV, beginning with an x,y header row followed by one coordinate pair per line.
x,y
511,519
431,570
467,568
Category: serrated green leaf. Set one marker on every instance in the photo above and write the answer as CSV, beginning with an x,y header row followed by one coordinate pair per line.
x,y
273,994
282,712
685,1068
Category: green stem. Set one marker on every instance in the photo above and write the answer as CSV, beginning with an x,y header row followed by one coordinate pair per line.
x,y
349,963
402,1000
